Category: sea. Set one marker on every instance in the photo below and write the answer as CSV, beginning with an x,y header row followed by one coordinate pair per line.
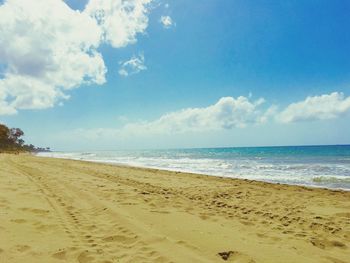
x,y
317,166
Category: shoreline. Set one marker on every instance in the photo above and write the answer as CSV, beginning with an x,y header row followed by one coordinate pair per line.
x,y
194,173
57,210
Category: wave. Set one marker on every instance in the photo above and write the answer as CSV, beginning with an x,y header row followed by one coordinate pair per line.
x,y
313,172
328,179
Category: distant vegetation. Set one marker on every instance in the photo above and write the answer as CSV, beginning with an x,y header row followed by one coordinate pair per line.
x,y
11,141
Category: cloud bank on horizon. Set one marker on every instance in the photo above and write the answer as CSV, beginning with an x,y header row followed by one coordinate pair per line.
x,y
228,113
47,48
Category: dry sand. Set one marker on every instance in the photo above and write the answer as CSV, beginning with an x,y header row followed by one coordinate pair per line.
x,y
54,210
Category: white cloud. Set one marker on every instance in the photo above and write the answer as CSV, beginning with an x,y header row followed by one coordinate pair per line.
x,y
48,48
5,109
227,113
327,106
132,66
122,118
120,20
166,21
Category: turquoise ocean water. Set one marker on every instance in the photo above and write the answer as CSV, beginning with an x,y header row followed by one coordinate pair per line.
x,y
319,166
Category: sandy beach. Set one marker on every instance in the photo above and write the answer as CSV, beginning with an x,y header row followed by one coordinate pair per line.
x,y
55,210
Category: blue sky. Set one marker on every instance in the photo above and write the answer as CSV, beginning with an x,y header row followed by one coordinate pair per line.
x,y
281,51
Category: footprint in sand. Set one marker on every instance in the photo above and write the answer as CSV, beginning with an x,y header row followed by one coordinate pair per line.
x,y
22,248
41,212
19,221
61,254
335,260
324,243
184,243
121,239
85,257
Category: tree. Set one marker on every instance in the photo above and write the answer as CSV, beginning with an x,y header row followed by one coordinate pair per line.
x,y
20,142
4,132
4,136
16,134
11,140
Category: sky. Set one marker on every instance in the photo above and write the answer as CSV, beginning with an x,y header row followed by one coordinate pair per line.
x,y
114,74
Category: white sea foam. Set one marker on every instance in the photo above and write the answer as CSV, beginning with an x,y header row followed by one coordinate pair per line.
x,y
321,172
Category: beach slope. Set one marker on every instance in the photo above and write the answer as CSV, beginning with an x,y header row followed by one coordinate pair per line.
x,y
54,210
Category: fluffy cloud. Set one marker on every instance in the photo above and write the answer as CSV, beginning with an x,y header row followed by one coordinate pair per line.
x,y
166,21
227,113
47,48
5,109
327,106
120,20
132,66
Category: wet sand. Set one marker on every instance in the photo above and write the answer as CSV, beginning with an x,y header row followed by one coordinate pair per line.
x,y
54,210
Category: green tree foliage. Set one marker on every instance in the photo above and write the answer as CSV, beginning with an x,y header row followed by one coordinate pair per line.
x,y
11,141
